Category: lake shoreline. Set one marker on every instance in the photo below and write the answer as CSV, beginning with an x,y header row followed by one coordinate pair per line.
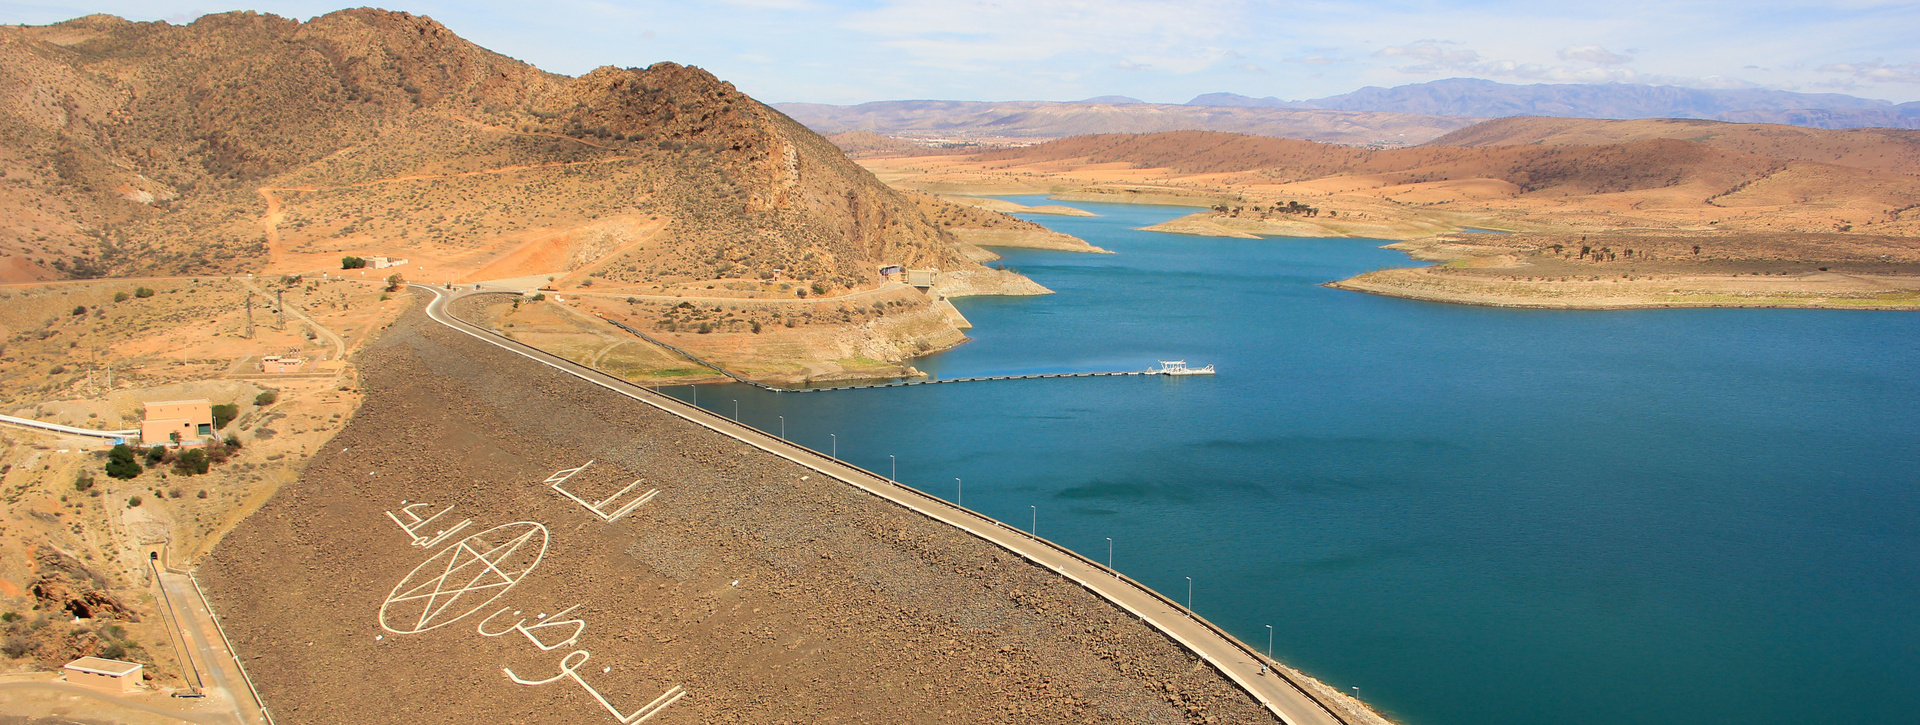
x,y
1436,284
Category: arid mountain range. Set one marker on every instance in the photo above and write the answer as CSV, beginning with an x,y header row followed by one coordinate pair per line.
x,y
938,122
1476,98
1372,116
1553,173
1590,213
247,142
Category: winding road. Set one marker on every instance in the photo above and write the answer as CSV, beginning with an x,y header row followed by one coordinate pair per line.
x,y
1289,701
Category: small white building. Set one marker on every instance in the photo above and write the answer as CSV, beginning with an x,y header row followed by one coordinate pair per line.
x,y
281,363
105,675
384,262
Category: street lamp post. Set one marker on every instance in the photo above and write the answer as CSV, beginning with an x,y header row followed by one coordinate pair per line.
x,y
957,491
736,411
1110,557
836,445
783,427
1189,596
1269,641
1033,529
895,470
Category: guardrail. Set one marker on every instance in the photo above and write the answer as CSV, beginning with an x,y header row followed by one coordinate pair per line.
x,y
1244,648
767,442
238,662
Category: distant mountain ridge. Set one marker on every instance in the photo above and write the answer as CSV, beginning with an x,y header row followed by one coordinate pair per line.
x,y
1114,114
1472,97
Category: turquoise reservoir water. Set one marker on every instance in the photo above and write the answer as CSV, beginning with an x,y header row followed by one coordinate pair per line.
x,y
1477,516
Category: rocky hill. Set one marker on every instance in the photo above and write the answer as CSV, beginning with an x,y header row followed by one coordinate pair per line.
x,y
1711,170
250,142
1883,149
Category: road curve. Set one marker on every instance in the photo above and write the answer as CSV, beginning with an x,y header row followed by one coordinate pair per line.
x,y
1287,700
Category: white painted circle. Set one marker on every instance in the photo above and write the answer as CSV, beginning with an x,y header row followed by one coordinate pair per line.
x,y
464,577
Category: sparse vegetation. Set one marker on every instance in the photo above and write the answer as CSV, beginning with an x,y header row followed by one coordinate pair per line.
x,y
121,463
192,461
223,414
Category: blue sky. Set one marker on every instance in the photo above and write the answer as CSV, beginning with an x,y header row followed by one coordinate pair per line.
x,y
863,50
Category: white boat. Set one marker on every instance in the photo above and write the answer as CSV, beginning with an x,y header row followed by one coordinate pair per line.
x,y
1179,367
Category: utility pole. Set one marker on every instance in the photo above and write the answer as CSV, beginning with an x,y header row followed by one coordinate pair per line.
x,y
280,308
249,315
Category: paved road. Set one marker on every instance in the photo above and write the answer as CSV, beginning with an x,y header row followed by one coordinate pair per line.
x,y
1239,662
226,687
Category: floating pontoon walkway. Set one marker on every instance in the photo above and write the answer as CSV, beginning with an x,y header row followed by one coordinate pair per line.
x,y
905,383
899,384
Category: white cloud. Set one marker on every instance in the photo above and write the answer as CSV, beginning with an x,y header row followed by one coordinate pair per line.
x,y
1433,55
973,34
1876,71
1442,57
1593,54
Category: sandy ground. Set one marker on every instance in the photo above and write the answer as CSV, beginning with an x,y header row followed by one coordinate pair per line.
x,y
768,595
96,528
1766,244
1816,289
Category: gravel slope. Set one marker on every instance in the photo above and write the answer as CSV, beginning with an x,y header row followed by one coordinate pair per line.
x,y
769,595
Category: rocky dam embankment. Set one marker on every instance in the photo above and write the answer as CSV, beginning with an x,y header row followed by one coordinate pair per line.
x,y
424,570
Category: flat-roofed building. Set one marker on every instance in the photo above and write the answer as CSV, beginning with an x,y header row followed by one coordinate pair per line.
x,y
281,364
105,675
191,420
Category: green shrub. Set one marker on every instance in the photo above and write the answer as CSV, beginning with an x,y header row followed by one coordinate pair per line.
x,y
119,296
192,462
156,454
224,414
352,263
120,464
143,292
266,398
133,502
